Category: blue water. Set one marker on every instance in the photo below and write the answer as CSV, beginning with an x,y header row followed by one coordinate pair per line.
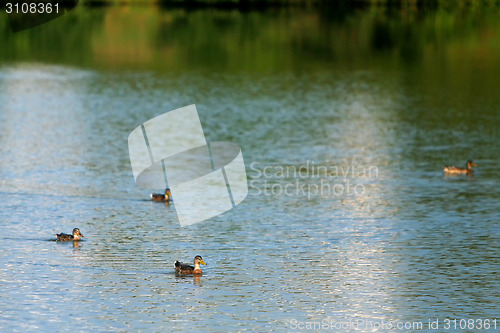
x,y
368,229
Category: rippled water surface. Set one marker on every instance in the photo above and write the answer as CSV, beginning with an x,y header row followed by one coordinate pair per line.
x,y
410,244
348,217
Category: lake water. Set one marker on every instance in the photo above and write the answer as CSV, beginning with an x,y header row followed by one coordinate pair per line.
x,y
349,218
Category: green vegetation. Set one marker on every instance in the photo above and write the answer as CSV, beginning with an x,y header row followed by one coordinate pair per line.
x,y
394,34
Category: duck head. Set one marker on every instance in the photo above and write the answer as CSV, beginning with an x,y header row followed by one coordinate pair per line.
x,y
470,164
77,234
168,195
199,260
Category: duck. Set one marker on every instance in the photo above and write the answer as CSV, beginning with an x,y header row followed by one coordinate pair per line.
x,y
457,170
182,268
66,238
162,197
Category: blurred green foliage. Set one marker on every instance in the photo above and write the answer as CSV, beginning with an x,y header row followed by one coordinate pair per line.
x,y
434,34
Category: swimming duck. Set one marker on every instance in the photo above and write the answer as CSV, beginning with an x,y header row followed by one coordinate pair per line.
x,y
468,170
66,238
182,268
162,197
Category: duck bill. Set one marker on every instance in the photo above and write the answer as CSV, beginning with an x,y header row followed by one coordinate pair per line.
x,y
202,262
474,164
